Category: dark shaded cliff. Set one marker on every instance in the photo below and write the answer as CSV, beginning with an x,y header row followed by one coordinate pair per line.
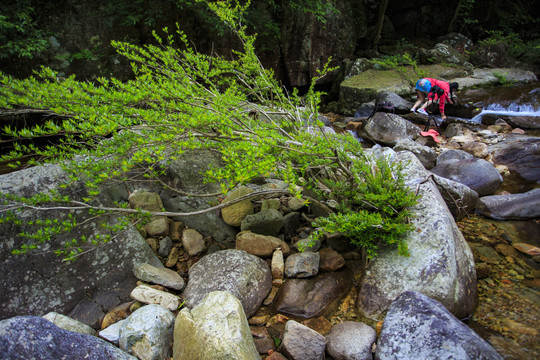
x,y
75,35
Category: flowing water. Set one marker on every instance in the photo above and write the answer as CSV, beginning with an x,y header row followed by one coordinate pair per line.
x,y
514,100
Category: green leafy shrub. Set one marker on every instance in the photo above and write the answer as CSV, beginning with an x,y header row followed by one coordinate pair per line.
x,y
181,100
19,35
404,65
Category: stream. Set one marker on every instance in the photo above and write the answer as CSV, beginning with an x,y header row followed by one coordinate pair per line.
x,y
508,312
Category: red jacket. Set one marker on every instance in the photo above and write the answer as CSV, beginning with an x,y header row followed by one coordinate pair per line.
x,y
446,88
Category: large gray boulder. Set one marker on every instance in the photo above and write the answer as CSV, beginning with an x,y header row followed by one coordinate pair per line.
x,y
478,174
520,153
245,276
511,206
417,327
215,329
32,338
388,129
440,264
40,282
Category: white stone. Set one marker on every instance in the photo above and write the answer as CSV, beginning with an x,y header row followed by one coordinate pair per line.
x,y
148,295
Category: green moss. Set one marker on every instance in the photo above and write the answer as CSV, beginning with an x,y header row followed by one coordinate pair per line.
x,y
389,79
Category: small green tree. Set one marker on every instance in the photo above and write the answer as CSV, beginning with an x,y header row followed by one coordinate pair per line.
x,y
404,65
182,100
19,35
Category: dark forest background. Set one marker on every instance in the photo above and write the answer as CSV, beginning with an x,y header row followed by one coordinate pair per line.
x,y
295,37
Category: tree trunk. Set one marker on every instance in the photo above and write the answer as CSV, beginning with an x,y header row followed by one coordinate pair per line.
x,y
380,21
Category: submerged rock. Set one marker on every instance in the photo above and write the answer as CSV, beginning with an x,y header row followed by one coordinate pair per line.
x,y
511,206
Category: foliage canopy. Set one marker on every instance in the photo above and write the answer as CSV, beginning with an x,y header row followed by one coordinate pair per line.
x,y
181,100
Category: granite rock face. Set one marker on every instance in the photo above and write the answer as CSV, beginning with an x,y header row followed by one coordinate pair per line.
x,y
85,289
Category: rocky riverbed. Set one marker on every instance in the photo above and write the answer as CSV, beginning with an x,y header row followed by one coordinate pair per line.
x,y
508,310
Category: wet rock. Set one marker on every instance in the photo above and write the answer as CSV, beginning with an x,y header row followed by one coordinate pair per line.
x,y
234,214
318,296
527,249
417,327
483,270
388,129
216,328
69,324
477,174
425,154
512,206
161,276
147,295
330,260
302,343
440,264
245,276
302,265
524,122
259,245
43,340
350,340
148,333
193,242
520,153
